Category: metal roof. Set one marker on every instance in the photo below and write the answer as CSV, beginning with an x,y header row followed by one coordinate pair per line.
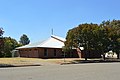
x,y
52,42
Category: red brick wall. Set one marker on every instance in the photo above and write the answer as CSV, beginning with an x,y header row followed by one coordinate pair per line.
x,y
39,53
32,53
50,53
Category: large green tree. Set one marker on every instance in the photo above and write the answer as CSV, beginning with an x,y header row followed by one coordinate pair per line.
x,y
102,40
93,37
9,45
82,36
24,40
114,35
90,36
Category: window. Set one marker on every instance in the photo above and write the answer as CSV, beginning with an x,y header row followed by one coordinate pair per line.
x,y
45,52
55,52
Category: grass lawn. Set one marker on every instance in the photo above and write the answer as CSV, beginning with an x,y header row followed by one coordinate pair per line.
x,y
32,61
17,61
11,62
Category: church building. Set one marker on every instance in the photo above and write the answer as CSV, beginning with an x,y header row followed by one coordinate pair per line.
x,y
50,48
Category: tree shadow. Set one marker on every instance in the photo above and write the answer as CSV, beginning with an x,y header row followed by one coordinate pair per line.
x,y
10,65
95,61
6,65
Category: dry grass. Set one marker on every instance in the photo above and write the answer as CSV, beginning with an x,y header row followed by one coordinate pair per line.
x,y
37,61
18,61
33,61
62,60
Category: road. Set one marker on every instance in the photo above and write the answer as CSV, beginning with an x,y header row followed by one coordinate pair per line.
x,y
88,71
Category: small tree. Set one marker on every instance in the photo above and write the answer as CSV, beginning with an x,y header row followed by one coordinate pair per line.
x,y
24,40
9,45
1,32
1,42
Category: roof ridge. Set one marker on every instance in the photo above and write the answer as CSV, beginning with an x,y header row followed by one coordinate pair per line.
x,y
58,38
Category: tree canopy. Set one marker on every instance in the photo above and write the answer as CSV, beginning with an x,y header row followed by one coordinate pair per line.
x,y
114,34
7,44
100,38
24,40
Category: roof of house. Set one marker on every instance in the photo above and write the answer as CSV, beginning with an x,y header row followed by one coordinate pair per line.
x,y
52,42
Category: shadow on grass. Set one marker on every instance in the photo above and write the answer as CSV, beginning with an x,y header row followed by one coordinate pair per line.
x,y
6,65
93,61
10,65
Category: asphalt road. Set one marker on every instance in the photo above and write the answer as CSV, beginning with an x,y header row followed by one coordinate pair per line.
x,y
89,71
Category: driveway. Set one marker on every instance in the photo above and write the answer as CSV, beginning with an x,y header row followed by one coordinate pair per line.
x,y
87,71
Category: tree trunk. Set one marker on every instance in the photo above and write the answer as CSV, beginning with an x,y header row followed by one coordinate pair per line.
x,y
103,56
79,52
86,55
118,55
85,58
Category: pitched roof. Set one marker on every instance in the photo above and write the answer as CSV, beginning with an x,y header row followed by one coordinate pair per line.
x,y
52,42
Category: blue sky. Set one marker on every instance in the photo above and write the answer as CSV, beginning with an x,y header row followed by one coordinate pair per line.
x,y
36,18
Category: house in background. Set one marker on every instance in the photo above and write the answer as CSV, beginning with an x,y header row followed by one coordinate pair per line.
x,y
50,48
